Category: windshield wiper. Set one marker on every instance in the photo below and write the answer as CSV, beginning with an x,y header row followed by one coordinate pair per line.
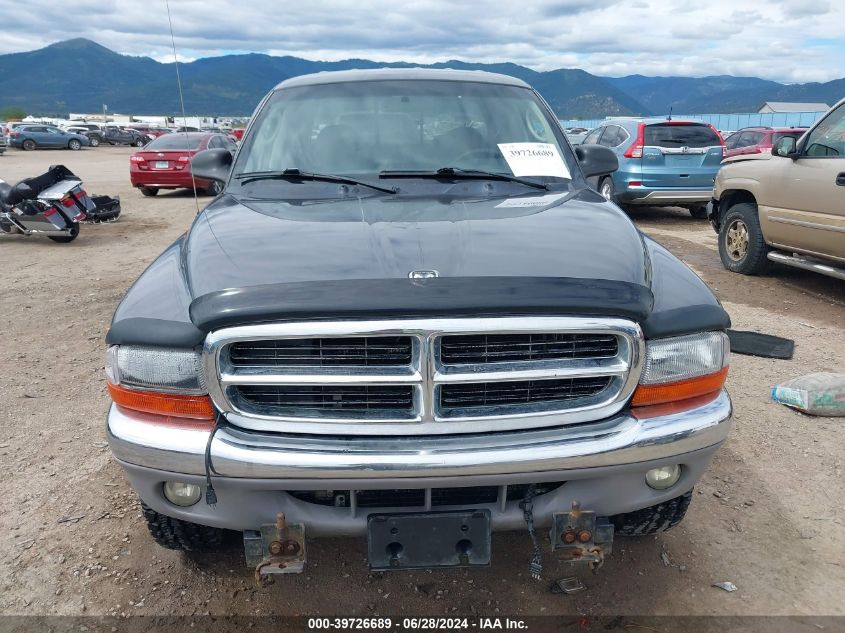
x,y
457,172
296,174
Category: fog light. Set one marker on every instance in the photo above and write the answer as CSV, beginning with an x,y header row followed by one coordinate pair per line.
x,y
180,494
663,477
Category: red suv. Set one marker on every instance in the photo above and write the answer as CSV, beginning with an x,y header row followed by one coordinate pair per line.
x,y
165,163
758,140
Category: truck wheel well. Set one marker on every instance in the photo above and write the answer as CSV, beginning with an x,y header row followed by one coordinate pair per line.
x,y
735,196
728,199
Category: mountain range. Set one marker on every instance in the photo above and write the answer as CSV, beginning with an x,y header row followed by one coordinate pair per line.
x,y
79,75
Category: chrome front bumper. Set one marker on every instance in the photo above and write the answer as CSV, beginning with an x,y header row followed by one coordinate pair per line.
x,y
147,441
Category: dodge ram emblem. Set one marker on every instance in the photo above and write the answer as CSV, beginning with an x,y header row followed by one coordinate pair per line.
x,y
423,274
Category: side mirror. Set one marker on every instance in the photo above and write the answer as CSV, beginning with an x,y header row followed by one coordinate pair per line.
x,y
596,160
785,147
212,164
24,191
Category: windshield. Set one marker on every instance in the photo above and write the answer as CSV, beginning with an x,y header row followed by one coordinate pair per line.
x,y
373,127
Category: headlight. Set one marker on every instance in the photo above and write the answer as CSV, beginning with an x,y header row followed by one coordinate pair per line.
x,y
683,367
155,368
684,357
159,381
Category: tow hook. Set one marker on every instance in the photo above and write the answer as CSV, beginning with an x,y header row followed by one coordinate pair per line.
x,y
580,537
277,548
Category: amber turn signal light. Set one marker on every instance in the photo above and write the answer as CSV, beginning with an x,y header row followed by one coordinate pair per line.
x,y
169,404
647,395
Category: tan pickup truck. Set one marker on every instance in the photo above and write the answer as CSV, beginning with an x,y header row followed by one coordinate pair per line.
x,y
787,207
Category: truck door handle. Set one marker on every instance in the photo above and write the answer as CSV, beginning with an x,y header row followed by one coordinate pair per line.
x,y
840,179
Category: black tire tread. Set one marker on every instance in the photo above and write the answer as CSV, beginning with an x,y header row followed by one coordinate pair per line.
x,y
612,187
654,519
65,239
756,260
181,535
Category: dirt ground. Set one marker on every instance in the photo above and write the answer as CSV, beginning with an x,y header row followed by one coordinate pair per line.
x,y
769,514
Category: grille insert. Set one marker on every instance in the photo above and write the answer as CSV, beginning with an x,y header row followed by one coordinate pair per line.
x,y
423,376
415,497
498,348
370,351
315,401
456,398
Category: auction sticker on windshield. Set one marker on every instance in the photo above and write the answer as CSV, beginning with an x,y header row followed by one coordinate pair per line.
x,y
534,159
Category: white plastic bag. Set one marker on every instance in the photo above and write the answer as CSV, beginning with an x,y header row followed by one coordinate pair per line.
x,y
815,394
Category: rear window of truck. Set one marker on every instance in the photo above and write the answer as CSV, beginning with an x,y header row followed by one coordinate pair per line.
x,y
680,135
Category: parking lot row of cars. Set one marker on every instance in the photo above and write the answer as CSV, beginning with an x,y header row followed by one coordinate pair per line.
x,y
772,194
30,136
671,162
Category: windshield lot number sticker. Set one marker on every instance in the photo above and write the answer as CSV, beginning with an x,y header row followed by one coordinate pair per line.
x,y
534,159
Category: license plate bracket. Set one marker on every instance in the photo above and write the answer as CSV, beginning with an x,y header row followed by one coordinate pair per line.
x,y
425,540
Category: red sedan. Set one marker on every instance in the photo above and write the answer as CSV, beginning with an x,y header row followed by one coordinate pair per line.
x,y
165,163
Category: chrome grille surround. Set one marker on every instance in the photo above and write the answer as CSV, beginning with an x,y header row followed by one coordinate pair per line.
x,y
426,373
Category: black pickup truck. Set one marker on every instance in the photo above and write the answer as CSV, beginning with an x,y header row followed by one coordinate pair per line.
x,y
407,317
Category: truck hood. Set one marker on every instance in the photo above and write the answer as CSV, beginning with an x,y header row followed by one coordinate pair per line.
x,y
249,261
237,243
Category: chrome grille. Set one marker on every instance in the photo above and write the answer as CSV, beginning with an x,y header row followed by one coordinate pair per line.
x,y
368,402
323,352
498,348
423,376
460,399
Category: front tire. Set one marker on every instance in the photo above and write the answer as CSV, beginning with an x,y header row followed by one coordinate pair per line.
x,y
149,191
654,519
182,535
215,188
74,144
95,142
607,190
139,143
28,145
742,247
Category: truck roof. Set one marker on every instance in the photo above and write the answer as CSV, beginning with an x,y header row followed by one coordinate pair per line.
x,y
393,74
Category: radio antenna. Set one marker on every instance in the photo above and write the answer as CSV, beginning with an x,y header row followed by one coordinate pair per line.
x,y
181,96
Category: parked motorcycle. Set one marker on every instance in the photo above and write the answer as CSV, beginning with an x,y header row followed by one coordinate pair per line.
x,y
52,204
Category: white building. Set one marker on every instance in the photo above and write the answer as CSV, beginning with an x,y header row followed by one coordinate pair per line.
x,y
785,106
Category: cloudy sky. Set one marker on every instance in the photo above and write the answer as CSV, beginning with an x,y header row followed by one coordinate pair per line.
x,y
785,40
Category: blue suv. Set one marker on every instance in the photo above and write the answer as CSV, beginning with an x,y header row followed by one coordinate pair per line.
x,y
30,137
662,162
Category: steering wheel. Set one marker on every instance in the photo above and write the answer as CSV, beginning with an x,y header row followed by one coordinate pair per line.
x,y
479,152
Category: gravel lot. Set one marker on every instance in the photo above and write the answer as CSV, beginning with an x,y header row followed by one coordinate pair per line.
x,y
768,516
